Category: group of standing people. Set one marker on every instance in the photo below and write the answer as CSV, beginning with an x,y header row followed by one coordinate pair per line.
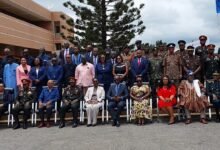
x,y
169,73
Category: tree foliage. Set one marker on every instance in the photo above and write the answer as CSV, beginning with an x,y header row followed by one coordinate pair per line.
x,y
105,22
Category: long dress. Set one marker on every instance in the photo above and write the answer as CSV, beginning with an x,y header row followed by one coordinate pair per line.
x,y
141,109
166,93
9,77
190,99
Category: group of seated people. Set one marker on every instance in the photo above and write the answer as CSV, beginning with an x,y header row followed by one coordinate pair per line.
x,y
192,94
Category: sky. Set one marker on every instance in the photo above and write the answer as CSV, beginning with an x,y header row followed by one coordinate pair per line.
x,y
169,20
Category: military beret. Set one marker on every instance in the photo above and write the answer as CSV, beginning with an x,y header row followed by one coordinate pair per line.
x,y
25,79
203,37
181,42
211,46
171,45
190,48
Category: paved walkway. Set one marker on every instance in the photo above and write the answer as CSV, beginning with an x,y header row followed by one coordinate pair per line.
x,y
156,136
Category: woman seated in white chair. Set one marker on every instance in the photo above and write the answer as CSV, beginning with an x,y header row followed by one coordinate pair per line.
x,y
93,100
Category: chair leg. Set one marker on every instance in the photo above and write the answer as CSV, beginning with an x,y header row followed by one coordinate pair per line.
x,y
130,109
103,111
127,110
157,111
80,112
9,114
107,116
210,110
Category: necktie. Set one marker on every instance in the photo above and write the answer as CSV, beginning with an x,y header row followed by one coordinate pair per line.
x,y
116,89
139,61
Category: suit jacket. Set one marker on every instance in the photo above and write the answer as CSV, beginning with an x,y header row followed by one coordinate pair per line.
x,y
104,73
40,76
20,74
62,57
122,91
88,56
55,73
91,60
100,94
141,69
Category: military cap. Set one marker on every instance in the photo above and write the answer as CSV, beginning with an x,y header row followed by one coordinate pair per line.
x,y
171,45
203,37
138,42
25,79
181,42
72,79
211,46
190,48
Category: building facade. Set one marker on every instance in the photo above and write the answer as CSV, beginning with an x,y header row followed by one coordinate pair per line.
x,y
26,24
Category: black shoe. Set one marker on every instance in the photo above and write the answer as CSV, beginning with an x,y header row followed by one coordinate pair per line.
x,y
217,119
94,125
89,125
114,123
117,124
74,125
61,125
25,125
16,126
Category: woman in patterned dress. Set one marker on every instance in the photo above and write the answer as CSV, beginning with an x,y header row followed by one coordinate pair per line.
x,y
140,95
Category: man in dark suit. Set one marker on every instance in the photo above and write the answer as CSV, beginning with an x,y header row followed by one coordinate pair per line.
x,y
29,58
117,95
89,49
139,67
94,59
66,51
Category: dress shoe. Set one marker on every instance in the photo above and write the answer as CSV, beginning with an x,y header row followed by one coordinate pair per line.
x,y
89,125
117,124
114,123
94,125
217,119
25,125
42,124
62,125
188,121
203,121
74,125
16,126
48,125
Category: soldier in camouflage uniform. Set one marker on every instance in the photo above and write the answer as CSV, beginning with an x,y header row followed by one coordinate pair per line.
x,y
211,63
173,65
213,90
191,63
156,71
201,52
182,52
162,51
23,102
71,100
